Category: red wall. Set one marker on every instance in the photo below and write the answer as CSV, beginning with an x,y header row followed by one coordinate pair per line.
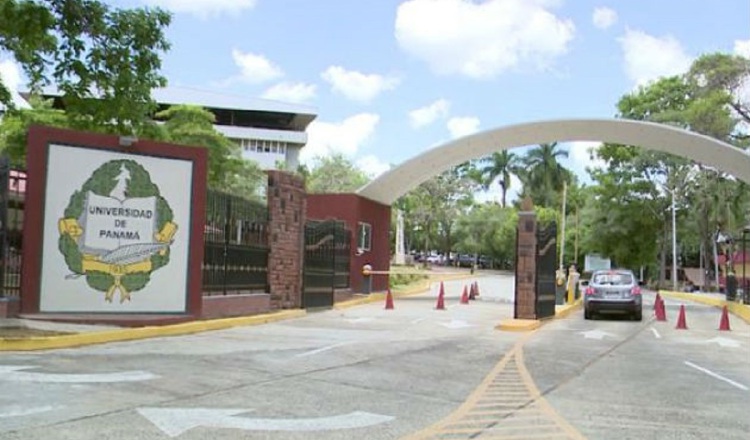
x,y
353,209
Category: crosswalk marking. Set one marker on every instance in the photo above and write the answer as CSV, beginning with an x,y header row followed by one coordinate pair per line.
x,y
506,406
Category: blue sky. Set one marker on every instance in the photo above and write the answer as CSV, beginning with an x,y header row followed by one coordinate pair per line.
x,y
391,78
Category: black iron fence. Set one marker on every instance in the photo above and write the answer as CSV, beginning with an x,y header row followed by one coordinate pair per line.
x,y
12,191
235,245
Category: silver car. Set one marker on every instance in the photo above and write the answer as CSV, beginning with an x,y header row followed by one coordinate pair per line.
x,y
615,290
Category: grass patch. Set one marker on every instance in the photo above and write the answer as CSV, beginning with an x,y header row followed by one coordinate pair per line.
x,y
403,276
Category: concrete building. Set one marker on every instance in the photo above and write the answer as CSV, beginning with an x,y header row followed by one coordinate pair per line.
x,y
268,132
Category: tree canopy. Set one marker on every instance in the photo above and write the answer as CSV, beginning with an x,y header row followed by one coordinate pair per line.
x,y
103,60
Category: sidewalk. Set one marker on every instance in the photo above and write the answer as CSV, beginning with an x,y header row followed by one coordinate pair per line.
x,y
742,311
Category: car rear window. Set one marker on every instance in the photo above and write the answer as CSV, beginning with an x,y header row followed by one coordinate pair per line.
x,y
613,279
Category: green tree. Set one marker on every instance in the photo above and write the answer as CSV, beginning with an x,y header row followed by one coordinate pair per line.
x,y
499,166
193,126
14,127
104,60
333,174
544,176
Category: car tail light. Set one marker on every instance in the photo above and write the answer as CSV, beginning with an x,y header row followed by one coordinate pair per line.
x,y
635,290
589,291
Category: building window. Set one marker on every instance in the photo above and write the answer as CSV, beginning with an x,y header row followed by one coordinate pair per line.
x,y
364,236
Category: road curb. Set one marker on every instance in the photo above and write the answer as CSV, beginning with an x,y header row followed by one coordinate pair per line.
x,y
567,310
131,334
420,287
525,325
742,311
519,325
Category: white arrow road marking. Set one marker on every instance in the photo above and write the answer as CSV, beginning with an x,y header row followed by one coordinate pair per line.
x,y
20,412
716,376
456,323
13,373
320,350
725,342
358,320
595,334
656,333
175,421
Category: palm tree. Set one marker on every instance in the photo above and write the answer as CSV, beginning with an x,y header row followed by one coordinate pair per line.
x,y
500,165
544,175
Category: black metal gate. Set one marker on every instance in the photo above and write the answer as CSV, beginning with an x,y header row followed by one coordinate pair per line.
x,y
326,263
12,198
546,261
235,256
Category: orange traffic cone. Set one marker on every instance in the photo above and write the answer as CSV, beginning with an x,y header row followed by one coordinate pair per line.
x,y
476,288
389,300
656,301
681,323
724,323
472,292
441,298
465,296
661,311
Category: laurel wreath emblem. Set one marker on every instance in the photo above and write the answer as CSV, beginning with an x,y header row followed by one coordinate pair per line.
x,y
127,268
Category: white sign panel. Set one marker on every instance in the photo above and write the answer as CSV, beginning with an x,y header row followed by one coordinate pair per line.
x,y
595,262
116,232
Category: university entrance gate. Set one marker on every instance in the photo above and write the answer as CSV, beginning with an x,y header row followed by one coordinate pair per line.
x,y
326,262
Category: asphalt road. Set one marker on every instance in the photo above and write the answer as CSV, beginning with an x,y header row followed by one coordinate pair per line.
x,y
381,374
617,379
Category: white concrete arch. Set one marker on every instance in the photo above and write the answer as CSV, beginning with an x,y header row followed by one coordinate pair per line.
x,y
388,187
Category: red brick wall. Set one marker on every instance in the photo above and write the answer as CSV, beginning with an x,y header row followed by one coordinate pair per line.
x,y
353,209
235,305
9,307
526,266
286,220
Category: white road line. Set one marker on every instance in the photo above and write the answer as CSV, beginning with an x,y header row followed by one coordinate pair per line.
x,y
321,349
716,376
656,333
417,321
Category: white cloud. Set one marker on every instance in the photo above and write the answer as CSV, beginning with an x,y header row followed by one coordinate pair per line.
x,y
482,40
581,154
428,114
648,58
461,126
325,138
372,166
13,79
604,18
256,68
742,48
291,92
10,72
358,86
203,8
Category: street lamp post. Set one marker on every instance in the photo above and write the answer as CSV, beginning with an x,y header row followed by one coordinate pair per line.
x,y
674,244
745,293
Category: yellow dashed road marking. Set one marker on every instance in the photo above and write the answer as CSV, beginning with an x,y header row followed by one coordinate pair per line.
x,y
507,405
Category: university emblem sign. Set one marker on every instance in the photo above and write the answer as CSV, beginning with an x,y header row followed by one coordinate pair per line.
x,y
117,230
112,229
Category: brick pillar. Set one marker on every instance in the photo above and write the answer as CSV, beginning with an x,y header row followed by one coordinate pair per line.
x,y
286,220
526,263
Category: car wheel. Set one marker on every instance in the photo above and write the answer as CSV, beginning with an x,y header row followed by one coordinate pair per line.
x,y
586,314
638,316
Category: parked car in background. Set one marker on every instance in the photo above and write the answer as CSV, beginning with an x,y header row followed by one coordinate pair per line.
x,y
616,290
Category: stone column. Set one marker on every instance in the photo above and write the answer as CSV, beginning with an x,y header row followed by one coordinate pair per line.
x,y
526,262
286,227
400,247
